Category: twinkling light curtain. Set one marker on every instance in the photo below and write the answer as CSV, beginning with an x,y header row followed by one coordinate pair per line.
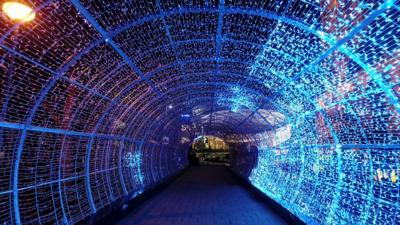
x,y
100,99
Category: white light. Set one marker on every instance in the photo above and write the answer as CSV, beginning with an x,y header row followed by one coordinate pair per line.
x,y
18,12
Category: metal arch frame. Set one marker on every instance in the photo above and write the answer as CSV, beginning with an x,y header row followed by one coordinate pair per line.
x,y
157,130
316,33
120,149
18,126
167,66
195,10
79,109
155,111
120,172
93,137
151,74
149,113
108,39
262,13
338,45
167,120
171,65
177,88
172,43
141,146
339,168
177,116
92,45
22,136
28,123
174,149
338,150
51,71
363,134
200,84
76,60
161,129
268,15
60,131
86,96
87,161
152,113
264,46
236,75
197,84
218,46
130,63
114,71
97,126
336,142
107,174
245,116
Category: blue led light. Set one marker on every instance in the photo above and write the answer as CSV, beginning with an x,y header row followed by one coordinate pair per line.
x,y
133,160
99,105
237,98
340,99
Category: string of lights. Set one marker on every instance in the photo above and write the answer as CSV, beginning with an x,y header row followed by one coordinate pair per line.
x,y
101,99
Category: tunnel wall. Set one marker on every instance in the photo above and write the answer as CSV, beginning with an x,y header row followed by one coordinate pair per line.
x,y
85,93
54,175
342,169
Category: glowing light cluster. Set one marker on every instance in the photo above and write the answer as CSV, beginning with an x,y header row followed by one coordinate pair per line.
x,y
341,163
237,98
90,91
134,161
18,11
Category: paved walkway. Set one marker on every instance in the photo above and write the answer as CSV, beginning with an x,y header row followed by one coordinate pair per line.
x,y
204,195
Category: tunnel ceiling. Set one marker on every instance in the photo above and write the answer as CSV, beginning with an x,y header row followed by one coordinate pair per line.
x,y
140,71
128,60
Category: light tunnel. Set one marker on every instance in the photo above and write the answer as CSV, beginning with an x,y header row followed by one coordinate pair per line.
x,y
100,101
